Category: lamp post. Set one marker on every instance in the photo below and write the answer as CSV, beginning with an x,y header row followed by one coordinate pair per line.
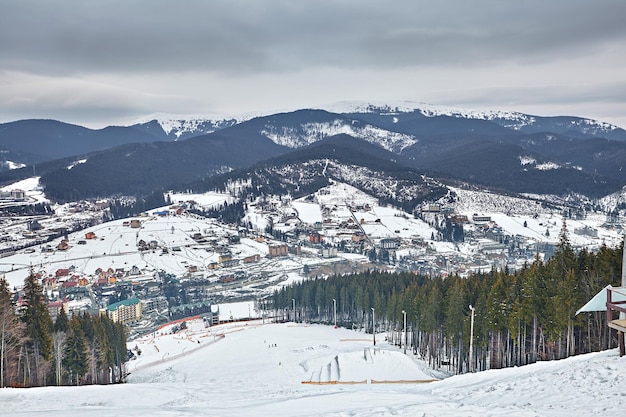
x,y
404,329
335,311
471,345
373,326
293,303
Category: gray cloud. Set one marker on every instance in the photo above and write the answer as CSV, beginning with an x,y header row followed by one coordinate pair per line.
x,y
242,36
158,55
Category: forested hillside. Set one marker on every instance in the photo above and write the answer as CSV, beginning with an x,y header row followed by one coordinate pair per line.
x,y
520,317
35,351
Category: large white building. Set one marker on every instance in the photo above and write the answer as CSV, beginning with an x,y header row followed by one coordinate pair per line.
x,y
125,311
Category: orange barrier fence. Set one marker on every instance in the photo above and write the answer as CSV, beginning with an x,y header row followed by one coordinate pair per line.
x,y
334,382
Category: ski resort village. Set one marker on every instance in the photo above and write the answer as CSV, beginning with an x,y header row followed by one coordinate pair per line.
x,y
176,261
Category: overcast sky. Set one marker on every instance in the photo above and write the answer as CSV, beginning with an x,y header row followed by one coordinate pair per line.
x,y
106,62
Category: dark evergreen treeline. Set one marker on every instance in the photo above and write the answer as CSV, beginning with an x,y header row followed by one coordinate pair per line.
x,y
27,210
123,208
230,213
520,317
35,351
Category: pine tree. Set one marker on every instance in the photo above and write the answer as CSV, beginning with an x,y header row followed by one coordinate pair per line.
x,y
75,358
11,333
61,322
38,329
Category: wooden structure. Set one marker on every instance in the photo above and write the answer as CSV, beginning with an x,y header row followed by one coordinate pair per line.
x,y
617,324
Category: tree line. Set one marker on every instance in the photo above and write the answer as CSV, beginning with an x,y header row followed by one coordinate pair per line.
x,y
520,317
37,351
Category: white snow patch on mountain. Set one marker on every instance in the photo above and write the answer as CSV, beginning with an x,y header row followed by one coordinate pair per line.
x,y
80,161
546,166
12,165
527,160
309,133
516,120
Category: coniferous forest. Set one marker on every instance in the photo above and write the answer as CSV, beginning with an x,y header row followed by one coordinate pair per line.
x,y
519,317
76,350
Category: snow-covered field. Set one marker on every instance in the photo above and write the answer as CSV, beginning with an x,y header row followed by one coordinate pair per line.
x,y
261,369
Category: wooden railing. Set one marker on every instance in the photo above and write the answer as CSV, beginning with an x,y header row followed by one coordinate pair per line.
x,y
618,324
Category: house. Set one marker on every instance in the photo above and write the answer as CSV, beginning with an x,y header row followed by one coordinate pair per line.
x,y
480,219
62,272
358,237
230,263
55,307
125,311
50,283
389,243
64,245
277,250
90,235
315,238
252,259
225,258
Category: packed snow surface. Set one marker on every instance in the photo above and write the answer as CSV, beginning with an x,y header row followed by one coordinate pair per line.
x,y
258,369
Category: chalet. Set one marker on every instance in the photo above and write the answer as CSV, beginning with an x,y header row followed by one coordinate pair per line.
x,y
50,283
90,235
252,259
101,282
213,265
225,258
62,272
64,245
329,252
135,223
69,283
358,237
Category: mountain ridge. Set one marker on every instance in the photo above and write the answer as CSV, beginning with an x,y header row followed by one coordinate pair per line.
x,y
490,149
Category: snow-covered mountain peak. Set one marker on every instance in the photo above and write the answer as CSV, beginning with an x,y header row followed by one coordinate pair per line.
x,y
510,119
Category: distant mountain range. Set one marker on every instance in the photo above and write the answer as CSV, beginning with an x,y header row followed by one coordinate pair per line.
x,y
513,152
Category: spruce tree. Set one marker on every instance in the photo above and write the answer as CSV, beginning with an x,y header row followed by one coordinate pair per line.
x,y
11,333
61,322
75,359
39,327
